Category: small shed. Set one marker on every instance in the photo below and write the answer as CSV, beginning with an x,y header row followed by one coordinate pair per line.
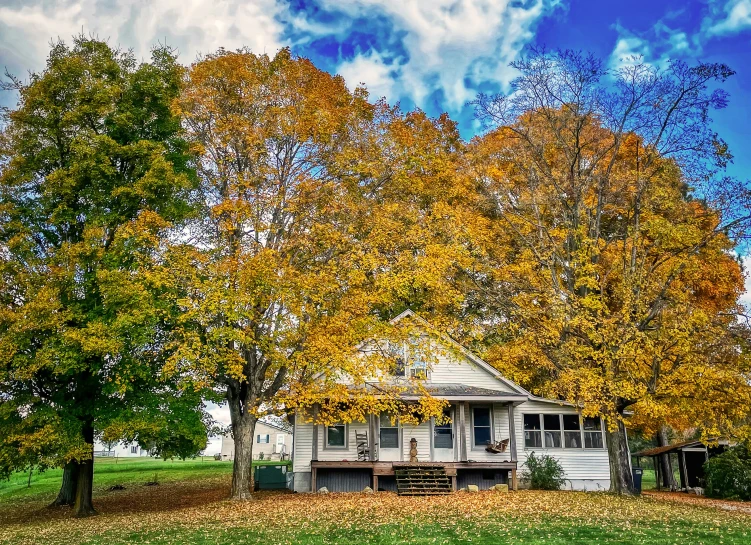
x,y
692,455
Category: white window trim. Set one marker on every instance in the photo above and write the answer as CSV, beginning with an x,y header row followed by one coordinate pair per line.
x,y
398,426
602,434
452,427
562,431
325,434
472,425
258,439
404,353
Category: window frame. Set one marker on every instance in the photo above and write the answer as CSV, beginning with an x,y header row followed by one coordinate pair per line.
x,y
600,431
545,431
405,367
472,425
541,431
449,426
326,445
396,426
134,449
260,435
562,431
577,431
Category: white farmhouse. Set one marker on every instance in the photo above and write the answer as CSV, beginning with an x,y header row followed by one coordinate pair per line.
x,y
273,441
495,425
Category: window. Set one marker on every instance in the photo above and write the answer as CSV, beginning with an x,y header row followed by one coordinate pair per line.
x,y
389,434
571,431
442,433
592,433
410,360
532,431
419,367
262,439
481,426
546,430
134,449
552,425
336,436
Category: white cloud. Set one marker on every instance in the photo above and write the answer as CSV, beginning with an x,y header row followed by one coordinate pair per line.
x,y
192,26
656,46
449,45
729,18
627,48
372,70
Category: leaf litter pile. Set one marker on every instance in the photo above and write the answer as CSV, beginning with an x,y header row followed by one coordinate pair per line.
x,y
197,513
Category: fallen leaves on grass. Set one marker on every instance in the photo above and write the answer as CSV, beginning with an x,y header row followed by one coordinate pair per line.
x,y
169,513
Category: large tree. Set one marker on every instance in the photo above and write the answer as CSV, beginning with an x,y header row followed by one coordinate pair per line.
x,y
93,170
299,258
609,274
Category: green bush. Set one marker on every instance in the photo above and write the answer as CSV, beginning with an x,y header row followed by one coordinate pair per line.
x,y
543,473
728,475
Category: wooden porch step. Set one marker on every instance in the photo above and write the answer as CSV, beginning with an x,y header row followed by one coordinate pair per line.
x,y
422,480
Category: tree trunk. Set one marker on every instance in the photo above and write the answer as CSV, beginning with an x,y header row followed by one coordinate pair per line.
x,y
621,478
67,494
242,470
666,465
84,506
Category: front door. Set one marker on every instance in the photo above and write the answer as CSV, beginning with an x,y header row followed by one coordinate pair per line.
x,y
389,444
443,438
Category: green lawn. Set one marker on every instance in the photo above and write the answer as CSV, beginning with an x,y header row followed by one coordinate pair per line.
x,y
125,471
190,506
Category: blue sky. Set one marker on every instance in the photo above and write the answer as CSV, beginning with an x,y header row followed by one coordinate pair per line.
x,y
433,54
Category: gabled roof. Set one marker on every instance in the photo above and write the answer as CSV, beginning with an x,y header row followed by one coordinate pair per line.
x,y
279,425
468,354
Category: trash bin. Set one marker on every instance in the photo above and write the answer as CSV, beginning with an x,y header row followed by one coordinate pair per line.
x,y
637,474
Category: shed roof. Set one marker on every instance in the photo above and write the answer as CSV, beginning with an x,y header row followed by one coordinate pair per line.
x,y
669,448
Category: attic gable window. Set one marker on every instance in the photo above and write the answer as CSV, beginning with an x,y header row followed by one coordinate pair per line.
x,y
410,360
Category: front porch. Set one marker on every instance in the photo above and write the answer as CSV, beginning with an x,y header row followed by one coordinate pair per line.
x,y
355,475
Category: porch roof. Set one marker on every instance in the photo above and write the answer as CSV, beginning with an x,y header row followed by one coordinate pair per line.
x,y
462,392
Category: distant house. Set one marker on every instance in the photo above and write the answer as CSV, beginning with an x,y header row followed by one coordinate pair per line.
x,y
272,441
119,450
495,424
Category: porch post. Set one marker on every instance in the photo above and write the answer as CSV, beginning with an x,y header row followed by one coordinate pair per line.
x,y
682,468
373,455
512,444
463,410
511,432
314,453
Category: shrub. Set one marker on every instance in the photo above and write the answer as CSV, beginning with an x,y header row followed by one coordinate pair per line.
x,y
728,475
543,473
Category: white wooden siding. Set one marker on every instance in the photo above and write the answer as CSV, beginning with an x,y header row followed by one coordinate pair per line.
x,y
500,432
303,449
448,370
337,454
421,433
579,464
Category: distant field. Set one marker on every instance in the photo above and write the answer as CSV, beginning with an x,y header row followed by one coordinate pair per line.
x,y
125,471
